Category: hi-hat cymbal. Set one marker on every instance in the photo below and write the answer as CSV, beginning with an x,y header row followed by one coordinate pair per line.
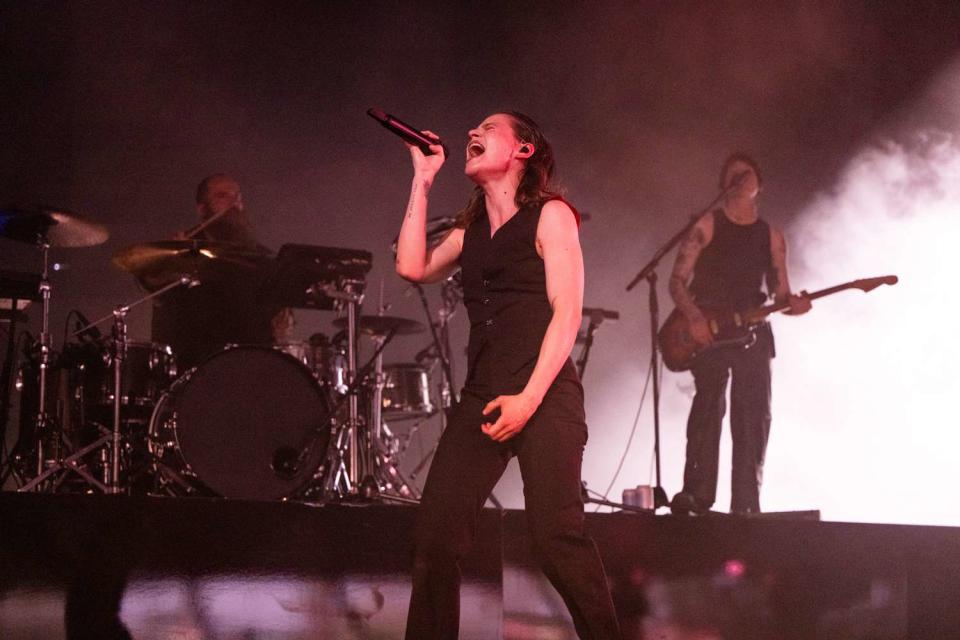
x,y
156,264
382,325
53,227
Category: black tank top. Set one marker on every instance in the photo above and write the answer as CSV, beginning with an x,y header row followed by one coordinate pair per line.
x,y
505,293
730,270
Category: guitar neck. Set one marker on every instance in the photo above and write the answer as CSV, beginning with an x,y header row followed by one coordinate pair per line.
x,y
753,316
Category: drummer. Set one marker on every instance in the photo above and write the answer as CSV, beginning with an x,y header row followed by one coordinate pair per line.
x,y
233,308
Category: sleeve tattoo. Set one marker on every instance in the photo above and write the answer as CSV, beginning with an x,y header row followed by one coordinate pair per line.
x,y
683,269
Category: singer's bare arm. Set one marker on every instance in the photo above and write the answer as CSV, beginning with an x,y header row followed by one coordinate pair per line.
x,y
415,262
699,237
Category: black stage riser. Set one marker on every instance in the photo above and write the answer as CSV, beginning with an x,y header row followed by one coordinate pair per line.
x,y
79,566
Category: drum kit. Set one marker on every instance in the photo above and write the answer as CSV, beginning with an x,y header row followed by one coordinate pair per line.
x,y
294,421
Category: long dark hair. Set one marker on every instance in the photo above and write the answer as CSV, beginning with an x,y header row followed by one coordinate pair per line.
x,y
535,182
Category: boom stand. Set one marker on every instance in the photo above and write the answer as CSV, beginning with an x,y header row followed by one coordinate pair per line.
x,y
649,274
596,316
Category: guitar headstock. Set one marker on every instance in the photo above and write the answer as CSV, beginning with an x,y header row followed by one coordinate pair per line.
x,y
869,284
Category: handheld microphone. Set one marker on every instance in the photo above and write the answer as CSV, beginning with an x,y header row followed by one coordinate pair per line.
x,y
407,132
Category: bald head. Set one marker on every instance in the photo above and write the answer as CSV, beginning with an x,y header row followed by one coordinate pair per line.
x,y
217,193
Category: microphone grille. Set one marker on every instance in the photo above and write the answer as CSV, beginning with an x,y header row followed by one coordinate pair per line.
x,y
377,114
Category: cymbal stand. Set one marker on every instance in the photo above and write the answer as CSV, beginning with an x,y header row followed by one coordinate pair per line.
x,y
111,475
369,487
45,346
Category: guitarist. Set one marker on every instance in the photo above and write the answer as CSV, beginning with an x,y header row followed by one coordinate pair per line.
x,y
724,262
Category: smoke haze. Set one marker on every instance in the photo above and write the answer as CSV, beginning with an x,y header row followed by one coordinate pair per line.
x,y
117,109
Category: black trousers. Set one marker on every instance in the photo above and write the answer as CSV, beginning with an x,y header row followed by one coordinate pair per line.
x,y
749,370
465,469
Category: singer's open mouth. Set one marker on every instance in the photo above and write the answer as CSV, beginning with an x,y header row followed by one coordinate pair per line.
x,y
474,149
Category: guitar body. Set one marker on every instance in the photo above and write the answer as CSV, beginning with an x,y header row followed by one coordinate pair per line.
x,y
730,328
678,347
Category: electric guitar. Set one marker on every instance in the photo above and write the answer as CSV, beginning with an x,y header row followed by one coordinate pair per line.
x,y
733,328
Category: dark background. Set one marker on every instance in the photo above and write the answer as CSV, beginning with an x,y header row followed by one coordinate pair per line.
x,y
117,109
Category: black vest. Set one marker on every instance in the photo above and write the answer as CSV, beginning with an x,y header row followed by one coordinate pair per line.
x,y
505,293
730,270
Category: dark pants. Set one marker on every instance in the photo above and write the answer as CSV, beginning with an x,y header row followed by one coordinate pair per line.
x,y
749,422
465,469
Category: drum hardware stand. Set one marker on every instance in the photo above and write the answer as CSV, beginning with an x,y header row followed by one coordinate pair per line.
x,y
111,473
6,387
441,339
649,273
339,481
369,487
381,471
350,294
441,344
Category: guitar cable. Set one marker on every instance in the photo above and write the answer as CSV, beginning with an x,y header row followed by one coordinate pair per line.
x,y
633,431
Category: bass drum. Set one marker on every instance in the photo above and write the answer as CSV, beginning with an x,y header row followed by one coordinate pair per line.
x,y
250,422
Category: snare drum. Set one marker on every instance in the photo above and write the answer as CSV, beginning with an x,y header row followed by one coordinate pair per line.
x,y
406,393
250,422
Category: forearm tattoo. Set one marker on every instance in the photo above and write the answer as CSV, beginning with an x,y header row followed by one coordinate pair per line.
x,y
777,283
413,196
683,269
425,187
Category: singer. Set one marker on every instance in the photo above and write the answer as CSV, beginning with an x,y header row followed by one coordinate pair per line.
x,y
517,244
722,264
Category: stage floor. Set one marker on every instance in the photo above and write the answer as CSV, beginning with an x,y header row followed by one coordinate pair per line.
x,y
190,568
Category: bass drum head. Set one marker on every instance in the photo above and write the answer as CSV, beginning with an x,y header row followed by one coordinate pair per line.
x,y
243,417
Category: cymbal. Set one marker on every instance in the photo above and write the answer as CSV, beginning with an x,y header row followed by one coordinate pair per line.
x,y
382,325
156,264
56,228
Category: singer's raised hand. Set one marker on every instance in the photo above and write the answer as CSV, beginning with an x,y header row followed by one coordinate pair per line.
x,y
424,166
416,261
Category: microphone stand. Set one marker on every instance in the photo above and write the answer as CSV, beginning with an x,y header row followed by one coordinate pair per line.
x,y
597,317
648,273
